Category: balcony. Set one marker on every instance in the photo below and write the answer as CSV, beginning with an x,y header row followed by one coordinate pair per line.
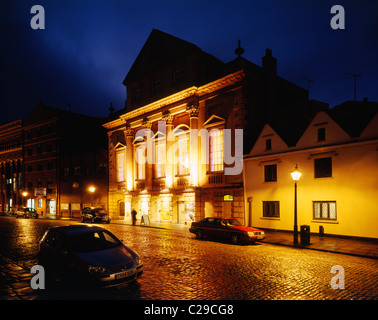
x,y
216,178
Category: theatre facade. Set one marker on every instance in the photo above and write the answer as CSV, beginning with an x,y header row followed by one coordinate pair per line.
x,y
176,148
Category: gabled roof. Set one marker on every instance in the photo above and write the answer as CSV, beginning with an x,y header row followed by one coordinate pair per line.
x,y
159,48
354,116
278,144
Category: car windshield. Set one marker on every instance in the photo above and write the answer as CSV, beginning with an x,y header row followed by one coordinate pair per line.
x,y
94,241
232,222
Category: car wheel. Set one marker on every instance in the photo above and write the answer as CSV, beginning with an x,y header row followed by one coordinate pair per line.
x,y
82,219
199,234
234,238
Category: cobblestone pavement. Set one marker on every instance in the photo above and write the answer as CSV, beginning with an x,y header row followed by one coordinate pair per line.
x,y
178,266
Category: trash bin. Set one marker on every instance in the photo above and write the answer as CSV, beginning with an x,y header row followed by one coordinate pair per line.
x,y
305,235
321,231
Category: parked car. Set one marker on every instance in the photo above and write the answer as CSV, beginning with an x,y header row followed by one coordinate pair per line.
x,y
95,215
226,228
26,212
88,255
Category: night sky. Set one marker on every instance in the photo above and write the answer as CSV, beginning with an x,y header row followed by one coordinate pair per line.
x,y
87,47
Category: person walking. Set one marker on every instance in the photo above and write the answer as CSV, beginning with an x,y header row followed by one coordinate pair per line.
x,y
133,214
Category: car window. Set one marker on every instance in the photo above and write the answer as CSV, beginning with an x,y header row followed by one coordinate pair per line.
x,y
56,240
94,241
232,222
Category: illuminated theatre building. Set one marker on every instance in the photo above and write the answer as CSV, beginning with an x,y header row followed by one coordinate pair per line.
x,y
158,164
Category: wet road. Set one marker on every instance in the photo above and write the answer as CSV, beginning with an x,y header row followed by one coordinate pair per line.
x,y
178,266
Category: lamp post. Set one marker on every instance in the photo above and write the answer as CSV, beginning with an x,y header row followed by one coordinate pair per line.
x,y
295,174
92,189
25,194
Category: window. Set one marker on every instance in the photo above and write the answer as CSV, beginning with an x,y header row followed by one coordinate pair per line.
x,y
324,210
270,173
268,144
216,150
183,156
271,209
120,166
66,171
323,167
77,170
160,159
321,134
140,163
40,203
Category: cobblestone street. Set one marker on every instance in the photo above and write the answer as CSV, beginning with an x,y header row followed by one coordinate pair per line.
x,y
179,266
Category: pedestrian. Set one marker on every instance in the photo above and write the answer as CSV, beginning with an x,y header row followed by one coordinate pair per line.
x,y
133,214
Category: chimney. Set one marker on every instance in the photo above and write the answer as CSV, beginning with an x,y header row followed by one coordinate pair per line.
x,y
269,63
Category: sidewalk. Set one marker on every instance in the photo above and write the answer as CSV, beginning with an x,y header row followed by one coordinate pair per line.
x,y
367,248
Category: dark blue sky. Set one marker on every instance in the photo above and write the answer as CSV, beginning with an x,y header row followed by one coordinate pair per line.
x,y
87,48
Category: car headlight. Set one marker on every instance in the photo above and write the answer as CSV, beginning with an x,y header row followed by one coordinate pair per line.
x,y
251,233
137,260
96,269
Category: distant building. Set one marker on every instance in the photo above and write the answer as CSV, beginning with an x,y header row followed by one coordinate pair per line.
x,y
174,88
11,166
337,191
65,153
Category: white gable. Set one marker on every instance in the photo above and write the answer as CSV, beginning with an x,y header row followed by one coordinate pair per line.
x,y
276,143
333,133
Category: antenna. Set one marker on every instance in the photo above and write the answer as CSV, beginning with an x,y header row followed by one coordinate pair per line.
x,y
355,82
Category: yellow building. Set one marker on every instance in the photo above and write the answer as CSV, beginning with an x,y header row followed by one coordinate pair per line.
x,y
337,156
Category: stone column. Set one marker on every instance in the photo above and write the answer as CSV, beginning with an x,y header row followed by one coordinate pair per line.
x,y
129,158
170,140
193,110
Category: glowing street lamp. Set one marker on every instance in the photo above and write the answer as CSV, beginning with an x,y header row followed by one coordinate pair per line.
x,y
25,194
92,189
295,174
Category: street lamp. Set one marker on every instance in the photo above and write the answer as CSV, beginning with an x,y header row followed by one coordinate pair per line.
x,y
92,189
295,174
25,194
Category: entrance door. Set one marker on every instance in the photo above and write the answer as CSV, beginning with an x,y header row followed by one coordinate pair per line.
x,y
50,208
227,208
180,211
122,209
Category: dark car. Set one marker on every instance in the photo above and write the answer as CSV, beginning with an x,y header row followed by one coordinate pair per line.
x,y
226,228
26,213
95,215
87,255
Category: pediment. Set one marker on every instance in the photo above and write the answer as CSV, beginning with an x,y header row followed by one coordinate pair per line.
x,y
214,120
119,145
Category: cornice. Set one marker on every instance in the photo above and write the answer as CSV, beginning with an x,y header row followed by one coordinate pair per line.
x,y
218,84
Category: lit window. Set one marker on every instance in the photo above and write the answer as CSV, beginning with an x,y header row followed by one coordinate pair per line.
x,y
216,150
120,166
183,156
324,210
160,159
140,163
